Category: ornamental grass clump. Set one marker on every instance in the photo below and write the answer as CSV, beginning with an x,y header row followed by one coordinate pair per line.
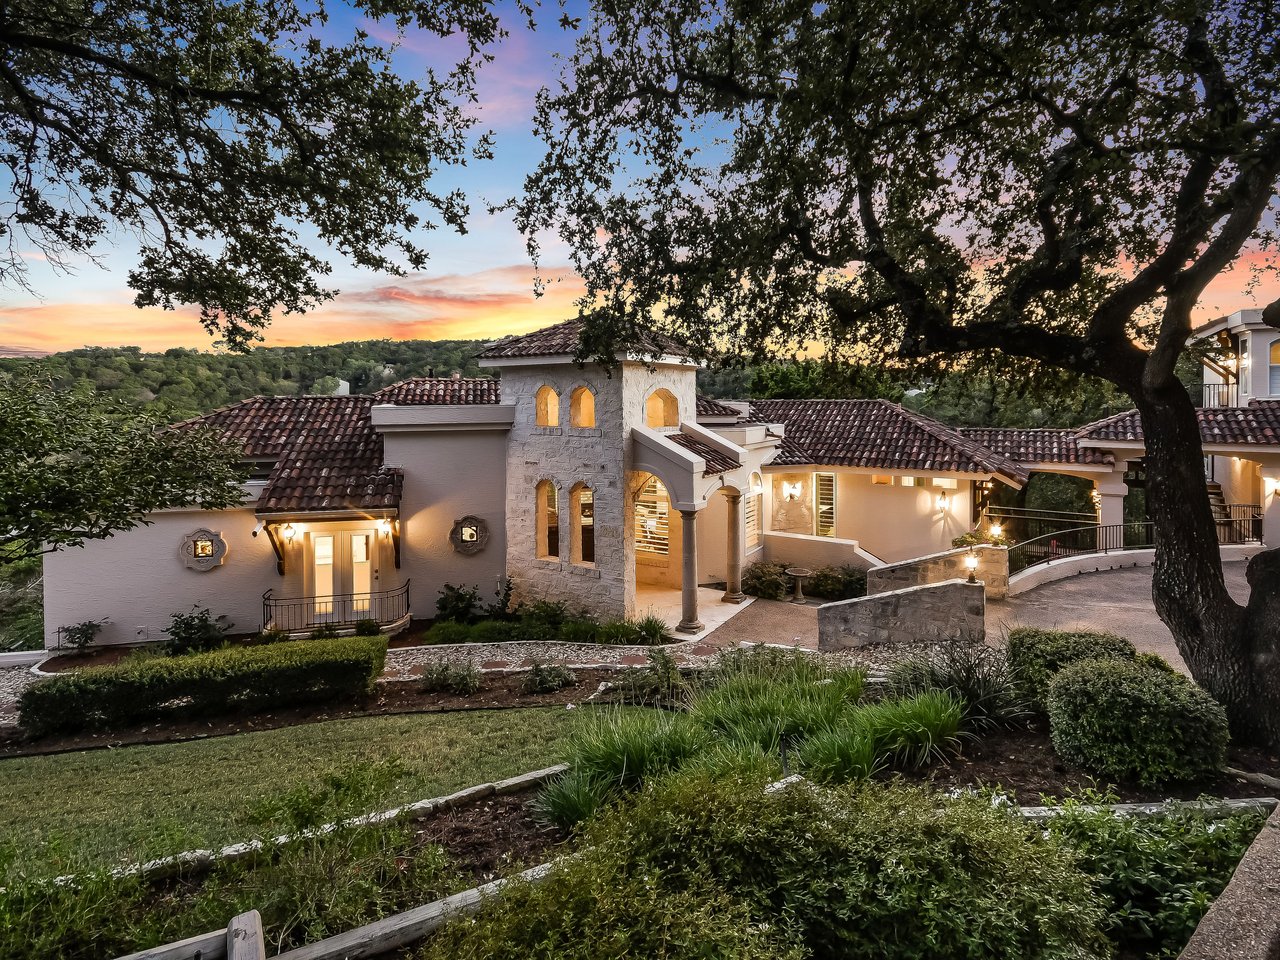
x,y
887,872
1036,655
756,709
1136,724
976,675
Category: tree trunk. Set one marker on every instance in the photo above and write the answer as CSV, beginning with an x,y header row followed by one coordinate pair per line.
x,y
1232,652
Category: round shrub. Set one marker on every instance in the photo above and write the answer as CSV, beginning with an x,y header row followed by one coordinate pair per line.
x,y
1130,722
769,581
1036,655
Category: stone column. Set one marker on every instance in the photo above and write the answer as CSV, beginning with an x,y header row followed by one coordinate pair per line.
x,y
733,577
1111,490
689,622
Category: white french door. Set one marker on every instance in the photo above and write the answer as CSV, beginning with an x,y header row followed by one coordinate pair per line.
x,y
343,572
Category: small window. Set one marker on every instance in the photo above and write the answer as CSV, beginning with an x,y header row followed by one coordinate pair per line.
x,y
652,524
824,485
661,409
582,408
583,504
909,481
202,548
547,403
882,479
946,483
1273,382
548,521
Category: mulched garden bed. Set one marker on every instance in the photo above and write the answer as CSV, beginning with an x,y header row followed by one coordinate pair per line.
x,y
499,691
1024,763
496,836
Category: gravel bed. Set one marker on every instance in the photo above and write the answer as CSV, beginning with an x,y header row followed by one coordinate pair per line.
x,y
13,680
401,663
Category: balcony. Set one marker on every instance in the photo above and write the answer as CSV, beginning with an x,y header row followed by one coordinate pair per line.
x,y
1220,395
390,609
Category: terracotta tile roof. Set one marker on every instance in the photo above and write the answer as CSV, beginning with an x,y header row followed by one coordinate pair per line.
x,y
453,391
877,434
563,339
1038,445
714,409
716,459
1258,423
328,456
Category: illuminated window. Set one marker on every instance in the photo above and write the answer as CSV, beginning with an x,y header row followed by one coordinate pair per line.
x,y
909,481
1273,382
946,483
882,479
547,405
202,548
824,486
661,409
582,408
652,524
583,504
548,521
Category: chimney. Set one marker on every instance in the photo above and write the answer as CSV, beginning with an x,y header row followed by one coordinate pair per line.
x,y
456,375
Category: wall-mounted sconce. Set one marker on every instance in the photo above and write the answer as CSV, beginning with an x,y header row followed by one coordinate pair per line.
x,y
997,530
971,564
384,527
944,502
1269,486
792,491
289,531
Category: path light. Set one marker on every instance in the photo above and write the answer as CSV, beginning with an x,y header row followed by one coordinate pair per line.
x,y
996,530
971,564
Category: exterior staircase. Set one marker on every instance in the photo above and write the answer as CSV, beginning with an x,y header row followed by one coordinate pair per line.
x,y
1217,502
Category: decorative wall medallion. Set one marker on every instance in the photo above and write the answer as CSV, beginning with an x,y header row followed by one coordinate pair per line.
x,y
203,550
469,535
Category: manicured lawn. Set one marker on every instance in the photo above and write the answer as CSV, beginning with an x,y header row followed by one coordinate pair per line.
x,y
111,806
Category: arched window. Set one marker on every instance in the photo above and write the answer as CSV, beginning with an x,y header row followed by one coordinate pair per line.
x,y
582,504
582,408
1273,368
548,521
661,409
547,404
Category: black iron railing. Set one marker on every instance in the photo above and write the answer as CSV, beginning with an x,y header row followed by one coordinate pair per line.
x,y
307,613
1024,523
1119,536
1243,524
1220,395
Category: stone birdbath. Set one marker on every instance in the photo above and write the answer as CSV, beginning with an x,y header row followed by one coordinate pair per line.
x,y
800,573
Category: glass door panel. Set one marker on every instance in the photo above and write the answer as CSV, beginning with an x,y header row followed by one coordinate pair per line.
x,y
323,573
361,572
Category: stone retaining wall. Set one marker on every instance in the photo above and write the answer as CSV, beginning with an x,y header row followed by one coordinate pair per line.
x,y
993,570
1244,922
952,610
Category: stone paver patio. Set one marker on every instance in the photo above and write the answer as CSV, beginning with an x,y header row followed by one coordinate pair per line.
x,y
1115,601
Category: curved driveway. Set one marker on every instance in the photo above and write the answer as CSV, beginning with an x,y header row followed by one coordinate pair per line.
x,y
1115,601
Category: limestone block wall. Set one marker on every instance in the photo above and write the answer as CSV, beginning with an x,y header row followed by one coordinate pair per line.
x,y
993,570
932,613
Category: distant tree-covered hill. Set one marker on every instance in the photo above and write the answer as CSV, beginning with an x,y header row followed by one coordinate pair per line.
x,y
187,383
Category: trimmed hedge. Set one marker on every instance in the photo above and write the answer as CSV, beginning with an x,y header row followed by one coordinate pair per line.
x,y
1036,655
221,681
770,581
1134,722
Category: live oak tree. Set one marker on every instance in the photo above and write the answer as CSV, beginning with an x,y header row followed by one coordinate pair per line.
x,y
1057,182
234,139
78,468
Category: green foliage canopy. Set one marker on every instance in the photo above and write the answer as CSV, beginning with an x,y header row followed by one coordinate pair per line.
x,y
77,468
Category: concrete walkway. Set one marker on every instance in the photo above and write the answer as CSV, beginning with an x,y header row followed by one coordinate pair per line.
x,y
1114,601
769,621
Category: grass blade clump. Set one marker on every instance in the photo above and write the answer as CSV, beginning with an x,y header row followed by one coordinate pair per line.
x,y
978,676
911,732
841,754
573,799
624,748
749,709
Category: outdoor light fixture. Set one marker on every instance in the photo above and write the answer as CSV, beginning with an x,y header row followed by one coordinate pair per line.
x,y
289,531
996,530
384,527
944,501
792,491
971,564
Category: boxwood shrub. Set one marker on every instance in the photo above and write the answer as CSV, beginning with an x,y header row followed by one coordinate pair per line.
x,y
770,581
1134,723
1036,655
235,678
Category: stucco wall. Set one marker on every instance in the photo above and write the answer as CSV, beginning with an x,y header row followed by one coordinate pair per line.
x,y
808,551
449,475
953,610
137,579
993,570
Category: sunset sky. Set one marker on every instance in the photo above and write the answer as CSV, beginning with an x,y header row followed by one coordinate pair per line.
x,y
478,285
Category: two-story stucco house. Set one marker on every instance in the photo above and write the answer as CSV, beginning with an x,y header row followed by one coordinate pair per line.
x,y
617,490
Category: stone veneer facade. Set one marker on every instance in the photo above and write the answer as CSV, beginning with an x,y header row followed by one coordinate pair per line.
x,y
567,456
